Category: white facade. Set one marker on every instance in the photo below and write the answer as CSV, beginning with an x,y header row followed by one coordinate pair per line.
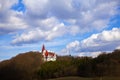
x,y
49,56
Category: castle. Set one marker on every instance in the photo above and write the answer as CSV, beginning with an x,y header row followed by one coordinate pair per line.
x,y
47,55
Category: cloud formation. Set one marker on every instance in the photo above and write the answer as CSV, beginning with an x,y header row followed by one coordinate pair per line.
x,y
10,21
52,28
96,43
40,21
57,18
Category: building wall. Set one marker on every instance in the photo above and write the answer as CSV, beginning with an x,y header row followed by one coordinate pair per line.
x,y
49,57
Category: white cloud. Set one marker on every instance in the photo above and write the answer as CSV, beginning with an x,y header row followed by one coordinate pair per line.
x,y
47,17
6,4
113,35
118,47
13,23
73,45
57,31
36,8
10,21
29,37
90,54
74,30
51,21
96,43
95,15
106,37
49,32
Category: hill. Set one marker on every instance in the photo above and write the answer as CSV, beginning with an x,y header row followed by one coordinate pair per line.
x,y
30,66
21,66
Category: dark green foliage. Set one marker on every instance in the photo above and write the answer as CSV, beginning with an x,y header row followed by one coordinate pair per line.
x,y
30,66
85,67
107,64
57,69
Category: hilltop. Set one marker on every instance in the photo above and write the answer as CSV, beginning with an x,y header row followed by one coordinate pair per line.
x,y
20,66
30,66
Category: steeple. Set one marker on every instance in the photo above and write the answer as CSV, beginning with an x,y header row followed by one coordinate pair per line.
x,y
43,48
48,56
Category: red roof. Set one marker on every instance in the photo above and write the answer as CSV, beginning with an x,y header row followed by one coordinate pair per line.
x,y
46,53
51,54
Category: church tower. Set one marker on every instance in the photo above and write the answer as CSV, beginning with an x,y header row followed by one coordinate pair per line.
x,y
43,48
48,56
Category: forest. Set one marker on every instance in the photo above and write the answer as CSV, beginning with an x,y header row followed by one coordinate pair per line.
x,y
30,66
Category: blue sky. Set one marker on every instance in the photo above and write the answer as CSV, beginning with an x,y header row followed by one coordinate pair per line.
x,y
76,27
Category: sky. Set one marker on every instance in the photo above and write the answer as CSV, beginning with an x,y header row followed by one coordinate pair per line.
x,y
67,27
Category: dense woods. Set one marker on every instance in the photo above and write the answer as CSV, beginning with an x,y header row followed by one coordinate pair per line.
x,y
30,66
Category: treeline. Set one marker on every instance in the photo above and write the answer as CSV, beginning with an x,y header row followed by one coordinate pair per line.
x,y
29,66
21,67
106,64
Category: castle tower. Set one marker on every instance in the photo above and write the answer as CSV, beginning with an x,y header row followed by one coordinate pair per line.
x,y
47,55
43,48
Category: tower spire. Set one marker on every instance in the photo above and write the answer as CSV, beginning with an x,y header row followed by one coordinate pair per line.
x,y
43,48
